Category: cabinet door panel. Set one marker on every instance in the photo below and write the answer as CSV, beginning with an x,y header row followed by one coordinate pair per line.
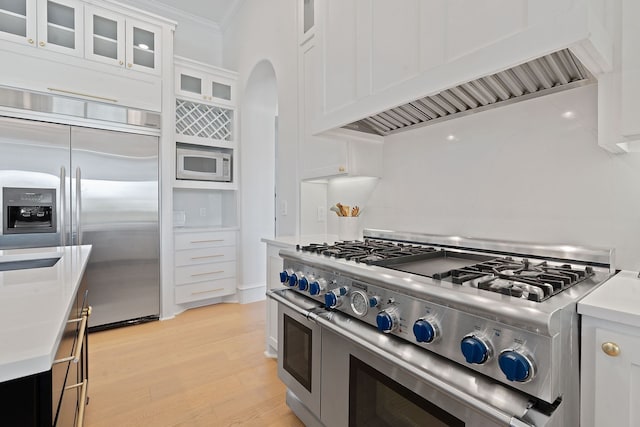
x,y
340,53
395,42
61,26
143,46
18,20
104,36
617,380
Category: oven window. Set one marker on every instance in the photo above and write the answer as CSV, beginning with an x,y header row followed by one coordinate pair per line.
x,y
200,164
375,400
297,356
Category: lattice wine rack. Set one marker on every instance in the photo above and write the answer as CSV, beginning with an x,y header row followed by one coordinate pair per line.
x,y
204,121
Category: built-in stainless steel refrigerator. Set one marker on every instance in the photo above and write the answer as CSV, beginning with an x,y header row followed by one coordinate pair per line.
x,y
65,185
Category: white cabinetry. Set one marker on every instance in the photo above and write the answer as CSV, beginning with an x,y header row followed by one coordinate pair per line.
x,y
376,54
274,267
610,363
122,41
205,265
206,114
54,25
79,49
612,393
342,153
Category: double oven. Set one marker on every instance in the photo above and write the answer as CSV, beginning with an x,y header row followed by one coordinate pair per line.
x,y
340,372
405,329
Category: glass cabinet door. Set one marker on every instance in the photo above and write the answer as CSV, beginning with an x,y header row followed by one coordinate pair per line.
x,y
60,26
104,36
17,20
143,47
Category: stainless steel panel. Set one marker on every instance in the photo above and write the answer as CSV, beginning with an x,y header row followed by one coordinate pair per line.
x,y
118,215
76,107
32,155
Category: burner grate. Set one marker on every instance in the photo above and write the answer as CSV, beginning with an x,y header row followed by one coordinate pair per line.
x,y
521,279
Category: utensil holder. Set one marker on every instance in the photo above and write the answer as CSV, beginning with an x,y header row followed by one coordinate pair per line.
x,y
349,228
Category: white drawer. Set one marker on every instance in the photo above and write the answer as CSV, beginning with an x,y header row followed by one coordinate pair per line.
x,y
205,255
207,239
205,290
204,272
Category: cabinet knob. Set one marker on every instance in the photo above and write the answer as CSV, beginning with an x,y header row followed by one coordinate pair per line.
x,y
121,62
342,169
129,65
42,44
611,349
30,41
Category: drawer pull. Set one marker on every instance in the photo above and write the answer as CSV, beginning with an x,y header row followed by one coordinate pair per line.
x,y
79,339
81,402
207,292
207,256
207,241
611,349
209,272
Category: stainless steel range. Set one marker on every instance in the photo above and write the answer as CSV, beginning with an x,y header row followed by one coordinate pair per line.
x,y
415,329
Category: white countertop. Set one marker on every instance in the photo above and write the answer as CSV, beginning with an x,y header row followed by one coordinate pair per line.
x,y
617,300
292,241
34,307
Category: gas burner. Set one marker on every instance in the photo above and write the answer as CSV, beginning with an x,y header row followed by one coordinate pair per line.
x,y
521,279
367,251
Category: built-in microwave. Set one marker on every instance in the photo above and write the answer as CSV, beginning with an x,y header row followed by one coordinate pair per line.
x,y
203,163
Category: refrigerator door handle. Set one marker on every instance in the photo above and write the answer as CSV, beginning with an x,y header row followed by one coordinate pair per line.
x,y
78,205
62,207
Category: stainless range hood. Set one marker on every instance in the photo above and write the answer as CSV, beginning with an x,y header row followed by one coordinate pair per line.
x,y
551,73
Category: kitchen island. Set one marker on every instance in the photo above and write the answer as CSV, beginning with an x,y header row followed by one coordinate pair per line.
x,y
42,313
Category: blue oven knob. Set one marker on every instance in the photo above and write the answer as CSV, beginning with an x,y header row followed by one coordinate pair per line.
x,y
284,276
475,350
317,287
303,284
331,300
425,331
293,280
387,320
374,301
515,366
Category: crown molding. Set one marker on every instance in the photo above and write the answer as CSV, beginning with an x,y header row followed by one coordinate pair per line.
x,y
175,12
231,12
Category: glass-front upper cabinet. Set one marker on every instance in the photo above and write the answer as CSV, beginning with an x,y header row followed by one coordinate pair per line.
x,y
60,26
205,86
17,20
55,25
121,41
143,46
104,36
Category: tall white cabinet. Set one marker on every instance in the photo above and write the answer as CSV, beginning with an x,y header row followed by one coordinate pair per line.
x,y
610,365
205,212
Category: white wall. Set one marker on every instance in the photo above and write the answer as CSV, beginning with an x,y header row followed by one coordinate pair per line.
x,y
195,38
266,31
521,172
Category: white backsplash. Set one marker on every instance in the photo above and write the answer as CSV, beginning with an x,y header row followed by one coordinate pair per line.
x,y
526,172
201,208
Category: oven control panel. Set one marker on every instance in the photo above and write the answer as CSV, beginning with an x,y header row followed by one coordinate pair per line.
x,y
513,356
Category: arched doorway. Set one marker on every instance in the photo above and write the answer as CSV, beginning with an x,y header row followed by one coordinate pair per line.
x,y
258,128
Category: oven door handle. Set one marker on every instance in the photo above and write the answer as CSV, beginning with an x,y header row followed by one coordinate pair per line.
x,y
328,321
284,296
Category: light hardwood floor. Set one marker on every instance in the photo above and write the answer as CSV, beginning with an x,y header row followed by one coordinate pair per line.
x,y
205,367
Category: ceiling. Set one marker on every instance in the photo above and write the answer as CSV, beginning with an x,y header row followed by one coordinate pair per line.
x,y
212,10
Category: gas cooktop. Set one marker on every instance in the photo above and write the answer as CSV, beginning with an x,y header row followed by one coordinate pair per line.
x,y
517,277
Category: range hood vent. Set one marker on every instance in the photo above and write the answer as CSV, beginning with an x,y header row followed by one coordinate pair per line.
x,y
551,73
